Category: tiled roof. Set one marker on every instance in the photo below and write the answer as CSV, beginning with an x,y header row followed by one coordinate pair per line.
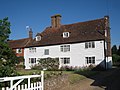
x,y
79,32
20,43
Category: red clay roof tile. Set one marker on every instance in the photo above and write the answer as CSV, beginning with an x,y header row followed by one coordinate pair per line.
x,y
20,43
79,32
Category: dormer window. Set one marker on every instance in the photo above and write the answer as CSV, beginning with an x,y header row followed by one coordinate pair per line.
x,y
66,34
38,38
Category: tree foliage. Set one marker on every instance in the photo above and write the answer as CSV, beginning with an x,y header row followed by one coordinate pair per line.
x,y
114,49
116,55
118,51
7,57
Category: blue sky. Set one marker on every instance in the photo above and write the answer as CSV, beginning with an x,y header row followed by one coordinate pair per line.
x,y
37,13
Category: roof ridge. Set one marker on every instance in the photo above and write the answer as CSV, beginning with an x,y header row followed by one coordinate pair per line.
x,y
82,22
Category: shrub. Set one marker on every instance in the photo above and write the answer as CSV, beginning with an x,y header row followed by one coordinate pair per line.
x,y
20,66
20,60
116,59
67,68
77,68
36,67
49,63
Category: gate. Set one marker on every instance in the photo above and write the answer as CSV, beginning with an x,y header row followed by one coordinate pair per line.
x,y
29,86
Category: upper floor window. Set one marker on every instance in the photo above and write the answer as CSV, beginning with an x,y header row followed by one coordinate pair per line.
x,y
65,48
90,44
32,49
46,52
66,34
90,60
38,38
19,50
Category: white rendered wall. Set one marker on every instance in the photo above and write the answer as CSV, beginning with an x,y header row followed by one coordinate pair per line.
x,y
77,53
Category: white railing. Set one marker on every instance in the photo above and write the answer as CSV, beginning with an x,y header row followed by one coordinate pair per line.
x,y
29,86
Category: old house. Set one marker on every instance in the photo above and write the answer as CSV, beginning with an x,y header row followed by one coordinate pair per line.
x,y
77,44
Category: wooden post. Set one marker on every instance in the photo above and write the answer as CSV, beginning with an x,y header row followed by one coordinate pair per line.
x,y
42,79
28,83
11,83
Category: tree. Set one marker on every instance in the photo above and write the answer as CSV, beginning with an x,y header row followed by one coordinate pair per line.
x,y
116,59
7,57
118,51
114,49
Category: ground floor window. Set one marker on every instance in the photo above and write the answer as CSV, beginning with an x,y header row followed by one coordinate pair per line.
x,y
90,60
32,60
65,60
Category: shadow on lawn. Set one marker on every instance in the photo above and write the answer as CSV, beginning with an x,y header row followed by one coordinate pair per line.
x,y
105,79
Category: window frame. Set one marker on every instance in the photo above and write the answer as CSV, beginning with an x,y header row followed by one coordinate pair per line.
x,y
32,61
32,49
38,38
66,34
65,60
46,52
17,50
90,44
90,60
65,48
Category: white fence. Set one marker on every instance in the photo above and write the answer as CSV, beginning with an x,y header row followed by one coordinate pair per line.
x,y
29,86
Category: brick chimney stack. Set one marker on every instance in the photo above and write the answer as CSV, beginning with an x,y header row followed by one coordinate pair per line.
x,y
30,33
108,36
56,21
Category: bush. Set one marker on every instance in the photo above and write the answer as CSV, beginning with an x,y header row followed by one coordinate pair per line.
x,y
116,59
20,66
20,60
36,67
67,68
49,63
76,68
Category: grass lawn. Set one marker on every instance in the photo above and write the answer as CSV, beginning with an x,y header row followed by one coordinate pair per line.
x,y
28,72
73,76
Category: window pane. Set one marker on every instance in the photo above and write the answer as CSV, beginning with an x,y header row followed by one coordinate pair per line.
x,y
32,60
65,34
62,60
93,44
68,47
19,50
86,45
29,60
32,49
93,60
68,61
90,61
86,60
65,60
65,48
89,44
61,47
46,52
